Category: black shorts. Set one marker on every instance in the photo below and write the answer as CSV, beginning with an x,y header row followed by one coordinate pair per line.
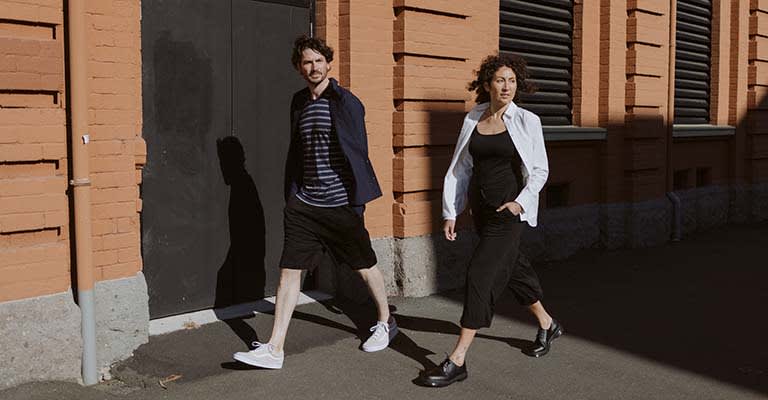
x,y
312,230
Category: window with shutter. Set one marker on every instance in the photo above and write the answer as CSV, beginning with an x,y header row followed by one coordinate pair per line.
x,y
542,32
692,61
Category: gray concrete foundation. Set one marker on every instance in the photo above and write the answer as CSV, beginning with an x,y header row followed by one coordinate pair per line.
x,y
562,232
428,264
739,204
632,225
704,208
122,319
40,340
385,253
712,206
41,337
759,204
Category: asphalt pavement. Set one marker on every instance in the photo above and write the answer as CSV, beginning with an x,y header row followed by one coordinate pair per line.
x,y
680,321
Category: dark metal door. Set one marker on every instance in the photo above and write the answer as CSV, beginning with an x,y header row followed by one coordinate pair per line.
x,y
217,82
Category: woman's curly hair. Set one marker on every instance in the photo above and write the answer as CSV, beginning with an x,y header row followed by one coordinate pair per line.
x,y
304,42
490,65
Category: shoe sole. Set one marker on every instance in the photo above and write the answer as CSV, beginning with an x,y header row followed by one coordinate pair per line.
x,y
251,363
447,383
392,335
557,334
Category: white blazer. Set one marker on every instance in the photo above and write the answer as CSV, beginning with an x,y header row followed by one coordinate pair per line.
x,y
525,129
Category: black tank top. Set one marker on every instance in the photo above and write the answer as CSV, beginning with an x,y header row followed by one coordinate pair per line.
x,y
496,174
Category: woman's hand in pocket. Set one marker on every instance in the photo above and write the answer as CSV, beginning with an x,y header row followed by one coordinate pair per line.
x,y
514,207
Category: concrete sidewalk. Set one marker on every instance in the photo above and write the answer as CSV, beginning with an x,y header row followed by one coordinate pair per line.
x,y
682,321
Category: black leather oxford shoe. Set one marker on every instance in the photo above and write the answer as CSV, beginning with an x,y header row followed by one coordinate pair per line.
x,y
444,374
544,339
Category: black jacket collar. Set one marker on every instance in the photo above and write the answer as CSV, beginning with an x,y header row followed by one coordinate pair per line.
x,y
332,91
335,89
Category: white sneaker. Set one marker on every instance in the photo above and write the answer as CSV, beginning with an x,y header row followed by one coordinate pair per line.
x,y
383,333
262,355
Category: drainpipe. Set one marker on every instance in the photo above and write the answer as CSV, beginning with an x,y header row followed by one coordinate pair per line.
x,y
80,184
677,209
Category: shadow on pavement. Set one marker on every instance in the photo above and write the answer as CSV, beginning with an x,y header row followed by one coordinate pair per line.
x,y
363,316
422,324
696,305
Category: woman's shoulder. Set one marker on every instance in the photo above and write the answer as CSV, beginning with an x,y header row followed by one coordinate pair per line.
x,y
530,121
477,111
528,116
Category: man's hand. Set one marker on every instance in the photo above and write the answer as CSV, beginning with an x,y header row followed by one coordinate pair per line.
x,y
512,206
448,228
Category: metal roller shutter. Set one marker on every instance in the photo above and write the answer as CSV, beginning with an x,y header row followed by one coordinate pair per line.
x,y
692,61
542,32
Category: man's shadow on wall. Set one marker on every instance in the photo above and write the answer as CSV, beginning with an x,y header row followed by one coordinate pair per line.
x,y
242,276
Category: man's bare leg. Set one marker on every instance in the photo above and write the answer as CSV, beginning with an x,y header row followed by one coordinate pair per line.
x,y
375,281
285,302
271,355
385,329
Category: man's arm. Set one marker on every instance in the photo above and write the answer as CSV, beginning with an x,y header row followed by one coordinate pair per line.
x,y
293,166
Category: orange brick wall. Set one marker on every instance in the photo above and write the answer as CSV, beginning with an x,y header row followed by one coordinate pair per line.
x,y
361,35
757,80
647,96
720,79
634,165
117,150
586,71
369,54
34,223
409,61
739,78
437,46
612,97
34,205
621,78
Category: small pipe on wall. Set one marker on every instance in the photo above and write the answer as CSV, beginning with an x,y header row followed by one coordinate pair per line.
x,y
677,207
80,184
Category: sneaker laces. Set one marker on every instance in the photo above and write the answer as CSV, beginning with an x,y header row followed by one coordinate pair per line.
x,y
378,332
270,348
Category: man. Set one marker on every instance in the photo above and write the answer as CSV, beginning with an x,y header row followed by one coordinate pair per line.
x,y
328,180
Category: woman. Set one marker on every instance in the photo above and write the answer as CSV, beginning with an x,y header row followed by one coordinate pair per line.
x,y
501,163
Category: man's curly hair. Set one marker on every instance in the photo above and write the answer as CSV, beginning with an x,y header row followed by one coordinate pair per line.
x,y
304,42
490,65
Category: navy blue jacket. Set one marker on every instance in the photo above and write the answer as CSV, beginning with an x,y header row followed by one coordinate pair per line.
x,y
348,119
